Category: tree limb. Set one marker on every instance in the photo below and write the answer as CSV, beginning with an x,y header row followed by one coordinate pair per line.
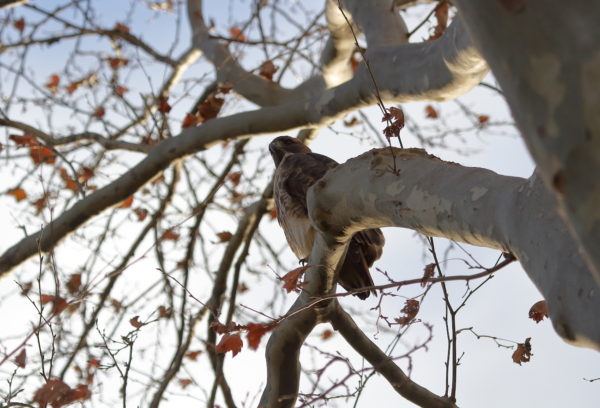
x,y
465,204
551,85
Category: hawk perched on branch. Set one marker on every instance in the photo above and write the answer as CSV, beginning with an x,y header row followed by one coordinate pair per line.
x,y
297,169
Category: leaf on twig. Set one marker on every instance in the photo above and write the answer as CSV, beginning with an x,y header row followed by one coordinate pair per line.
x,y
224,236
18,193
19,24
21,358
234,177
74,283
410,310
116,62
430,112
427,274
256,331
52,83
538,311
121,28
58,303
290,279
185,382
135,322
441,15
523,352
267,70
42,154
163,105
126,203
327,334
193,355
230,342
58,394
237,34
395,118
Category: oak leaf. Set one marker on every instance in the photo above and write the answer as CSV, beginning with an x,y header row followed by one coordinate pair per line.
x,y
210,107
290,279
267,70
52,84
230,342
256,331
221,328
141,213
25,140
18,193
224,236
135,322
165,312
234,177
58,303
237,34
538,311
441,15
427,274
351,122
42,154
523,352
193,355
120,90
483,119
163,105
430,112
21,358
410,310
116,62
326,335
74,283
190,120
126,203
122,28
58,394
99,112
170,234
19,24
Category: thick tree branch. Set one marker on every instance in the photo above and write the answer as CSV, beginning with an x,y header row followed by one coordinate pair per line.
x,y
250,86
12,3
471,205
551,84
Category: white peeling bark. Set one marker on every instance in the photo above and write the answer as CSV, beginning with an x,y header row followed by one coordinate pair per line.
x,y
470,205
551,82
251,86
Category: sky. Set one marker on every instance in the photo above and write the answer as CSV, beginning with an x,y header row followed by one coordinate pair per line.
x,y
487,376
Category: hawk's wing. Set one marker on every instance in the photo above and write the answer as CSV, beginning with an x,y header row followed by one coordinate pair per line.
x,y
294,176
364,249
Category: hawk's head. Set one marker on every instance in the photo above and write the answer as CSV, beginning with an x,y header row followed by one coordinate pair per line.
x,y
283,145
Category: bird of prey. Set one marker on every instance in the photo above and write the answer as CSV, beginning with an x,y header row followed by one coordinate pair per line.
x,y
297,169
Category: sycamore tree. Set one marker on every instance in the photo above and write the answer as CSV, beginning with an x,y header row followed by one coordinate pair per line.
x,y
140,253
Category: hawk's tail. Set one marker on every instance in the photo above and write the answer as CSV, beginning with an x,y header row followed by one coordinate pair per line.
x,y
364,249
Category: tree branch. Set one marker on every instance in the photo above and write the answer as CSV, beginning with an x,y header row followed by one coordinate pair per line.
x,y
471,205
551,85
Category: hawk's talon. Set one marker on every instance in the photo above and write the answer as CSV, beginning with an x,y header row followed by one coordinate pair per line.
x,y
303,261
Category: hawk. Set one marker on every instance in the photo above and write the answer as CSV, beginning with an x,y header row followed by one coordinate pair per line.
x,y
297,169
